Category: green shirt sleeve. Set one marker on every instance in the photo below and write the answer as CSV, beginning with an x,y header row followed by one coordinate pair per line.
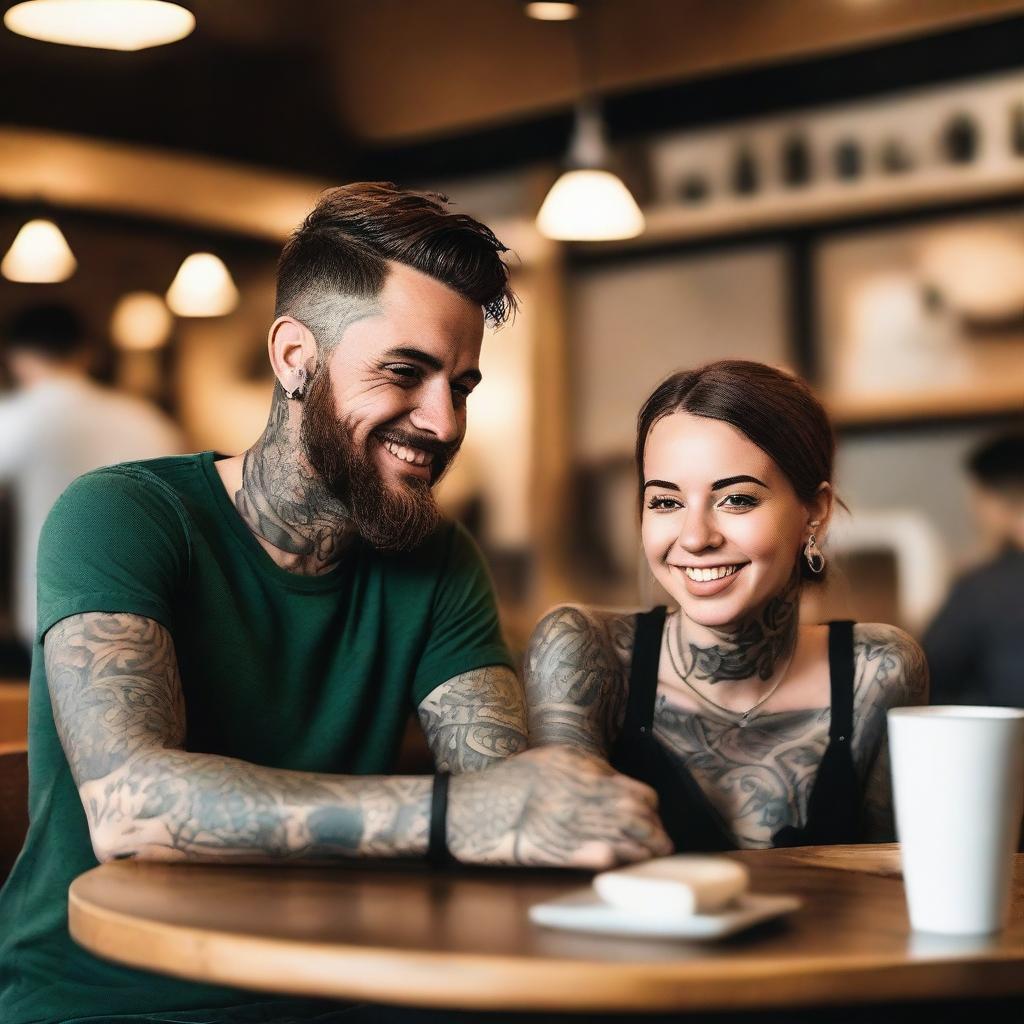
x,y
465,633
115,541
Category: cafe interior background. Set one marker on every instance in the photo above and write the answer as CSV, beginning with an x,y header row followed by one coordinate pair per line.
x,y
833,186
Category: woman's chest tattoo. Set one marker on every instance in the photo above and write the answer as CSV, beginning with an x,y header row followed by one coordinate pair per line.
x,y
757,777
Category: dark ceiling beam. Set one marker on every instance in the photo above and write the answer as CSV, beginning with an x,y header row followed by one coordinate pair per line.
x,y
908,64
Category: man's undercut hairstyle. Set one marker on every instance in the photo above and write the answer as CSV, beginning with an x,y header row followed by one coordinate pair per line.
x,y
998,464
52,330
337,258
774,409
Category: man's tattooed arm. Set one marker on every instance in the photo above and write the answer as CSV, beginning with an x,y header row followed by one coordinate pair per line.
x,y
118,707
474,720
119,710
891,672
576,678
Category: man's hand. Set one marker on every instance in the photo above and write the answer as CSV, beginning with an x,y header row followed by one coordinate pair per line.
x,y
553,807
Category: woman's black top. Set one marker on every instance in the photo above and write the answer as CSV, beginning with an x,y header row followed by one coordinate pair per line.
x,y
834,808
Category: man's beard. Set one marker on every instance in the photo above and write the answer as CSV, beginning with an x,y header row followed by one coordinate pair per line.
x,y
391,518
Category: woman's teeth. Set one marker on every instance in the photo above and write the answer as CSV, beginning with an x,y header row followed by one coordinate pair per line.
x,y
411,455
714,573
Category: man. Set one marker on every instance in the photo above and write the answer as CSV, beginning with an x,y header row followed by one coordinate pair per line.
x,y
975,646
232,644
57,425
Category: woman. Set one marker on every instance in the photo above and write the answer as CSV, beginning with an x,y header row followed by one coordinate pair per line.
x,y
754,729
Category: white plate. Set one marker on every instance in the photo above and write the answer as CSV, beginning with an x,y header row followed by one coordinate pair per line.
x,y
584,911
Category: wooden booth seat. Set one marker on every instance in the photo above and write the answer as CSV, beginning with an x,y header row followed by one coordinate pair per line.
x,y
13,803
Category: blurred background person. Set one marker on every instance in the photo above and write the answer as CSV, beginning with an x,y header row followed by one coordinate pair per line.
x,y
57,424
975,646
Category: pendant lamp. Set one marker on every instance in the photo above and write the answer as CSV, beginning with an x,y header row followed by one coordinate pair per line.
x,y
39,254
202,287
588,202
101,24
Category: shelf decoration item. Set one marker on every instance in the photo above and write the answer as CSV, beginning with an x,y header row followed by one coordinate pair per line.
x,y
849,159
694,188
1017,129
960,139
895,157
796,161
745,177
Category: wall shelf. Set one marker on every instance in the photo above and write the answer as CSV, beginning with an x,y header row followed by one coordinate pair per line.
x,y
822,205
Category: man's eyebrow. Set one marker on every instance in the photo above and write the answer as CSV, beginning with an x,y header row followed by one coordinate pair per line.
x,y
419,356
743,479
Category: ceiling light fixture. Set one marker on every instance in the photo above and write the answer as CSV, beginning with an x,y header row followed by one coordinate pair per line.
x,y
588,203
101,24
39,254
552,10
140,322
202,287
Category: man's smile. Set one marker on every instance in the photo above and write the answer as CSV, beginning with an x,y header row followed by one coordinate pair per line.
x,y
410,460
414,456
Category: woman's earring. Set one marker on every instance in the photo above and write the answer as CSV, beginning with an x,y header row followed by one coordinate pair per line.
x,y
299,391
815,559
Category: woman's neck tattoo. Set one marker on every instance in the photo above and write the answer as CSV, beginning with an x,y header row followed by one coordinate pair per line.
x,y
755,650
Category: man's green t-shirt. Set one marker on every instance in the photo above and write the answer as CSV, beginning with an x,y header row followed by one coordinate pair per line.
x,y
314,673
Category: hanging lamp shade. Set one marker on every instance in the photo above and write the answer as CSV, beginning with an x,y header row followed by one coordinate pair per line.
x,y
39,254
591,206
101,24
202,287
552,10
141,321
589,203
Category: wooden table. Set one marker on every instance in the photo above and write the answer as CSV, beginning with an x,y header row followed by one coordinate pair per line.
x,y
406,935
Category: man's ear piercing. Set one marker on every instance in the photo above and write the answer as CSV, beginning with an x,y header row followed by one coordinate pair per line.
x,y
298,392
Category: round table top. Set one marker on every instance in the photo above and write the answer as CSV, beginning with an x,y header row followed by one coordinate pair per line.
x,y
407,935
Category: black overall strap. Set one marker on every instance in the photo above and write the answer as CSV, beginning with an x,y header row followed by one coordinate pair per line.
x,y
840,667
643,675
834,806
690,821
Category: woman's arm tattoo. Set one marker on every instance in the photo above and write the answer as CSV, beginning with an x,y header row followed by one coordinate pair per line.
x,y
576,680
891,671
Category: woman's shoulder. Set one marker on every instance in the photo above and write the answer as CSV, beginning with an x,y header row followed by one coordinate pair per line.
x,y
576,677
580,633
889,665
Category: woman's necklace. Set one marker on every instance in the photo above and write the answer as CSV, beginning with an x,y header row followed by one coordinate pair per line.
x,y
743,717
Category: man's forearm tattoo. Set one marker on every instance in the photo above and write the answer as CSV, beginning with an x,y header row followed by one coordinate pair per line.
x,y
475,719
119,712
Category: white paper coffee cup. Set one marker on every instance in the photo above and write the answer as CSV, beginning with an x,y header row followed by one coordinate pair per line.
x,y
958,788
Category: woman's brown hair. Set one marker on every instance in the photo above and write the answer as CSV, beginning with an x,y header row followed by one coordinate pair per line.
x,y
772,408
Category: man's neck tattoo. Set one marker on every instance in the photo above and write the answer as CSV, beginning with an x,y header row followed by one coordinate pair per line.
x,y
754,651
283,502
